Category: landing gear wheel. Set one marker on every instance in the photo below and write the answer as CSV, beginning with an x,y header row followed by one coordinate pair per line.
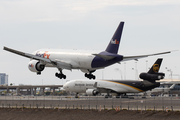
x,y
60,75
86,75
63,76
90,76
57,75
76,96
106,96
38,73
117,96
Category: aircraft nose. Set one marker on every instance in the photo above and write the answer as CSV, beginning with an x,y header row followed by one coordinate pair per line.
x,y
65,86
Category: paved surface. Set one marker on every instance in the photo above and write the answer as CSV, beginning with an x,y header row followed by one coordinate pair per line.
x,y
55,114
152,103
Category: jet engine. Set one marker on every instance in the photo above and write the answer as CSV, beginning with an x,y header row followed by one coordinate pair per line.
x,y
36,66
91,92
155,76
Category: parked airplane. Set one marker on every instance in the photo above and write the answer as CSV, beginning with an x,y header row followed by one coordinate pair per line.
x,y
86,62
117,86
161,90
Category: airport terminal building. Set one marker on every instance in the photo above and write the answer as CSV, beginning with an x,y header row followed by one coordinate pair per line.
x,y
3,79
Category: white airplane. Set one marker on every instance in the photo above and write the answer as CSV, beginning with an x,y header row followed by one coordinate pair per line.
x,y
117,87
86,62
161,90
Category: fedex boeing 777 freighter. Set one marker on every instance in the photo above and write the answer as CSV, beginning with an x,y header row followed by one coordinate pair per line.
x,y
86,62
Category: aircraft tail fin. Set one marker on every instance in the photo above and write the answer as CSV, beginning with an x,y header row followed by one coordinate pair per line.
x,y
153,74
115,41
155,68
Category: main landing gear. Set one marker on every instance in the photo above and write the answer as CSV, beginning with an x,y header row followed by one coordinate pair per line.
x,y
90,76
118,95
60,75
108,95
39,73
77,95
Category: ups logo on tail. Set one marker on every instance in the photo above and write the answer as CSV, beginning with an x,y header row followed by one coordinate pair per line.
x,y
155,67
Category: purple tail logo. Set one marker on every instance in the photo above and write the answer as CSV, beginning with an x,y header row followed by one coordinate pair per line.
x,y
114,41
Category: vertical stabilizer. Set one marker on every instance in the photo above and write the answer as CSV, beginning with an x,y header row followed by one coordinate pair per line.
x,y
155,68
153,74
115,41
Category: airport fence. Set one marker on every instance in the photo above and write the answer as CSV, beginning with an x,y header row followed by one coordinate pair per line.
x,y
92,102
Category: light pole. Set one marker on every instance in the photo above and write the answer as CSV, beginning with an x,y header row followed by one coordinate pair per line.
x,y
125,70
146,65
136,71
119,71
169,70
136,76
102,74
176,75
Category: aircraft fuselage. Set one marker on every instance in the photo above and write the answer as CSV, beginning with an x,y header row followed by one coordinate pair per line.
x,y
77,59
115,86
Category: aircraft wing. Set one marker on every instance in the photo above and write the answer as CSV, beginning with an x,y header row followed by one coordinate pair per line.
x,y
63,64
126,58
27,55
57,63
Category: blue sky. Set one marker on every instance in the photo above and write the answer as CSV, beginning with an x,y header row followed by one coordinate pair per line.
x,y
150,27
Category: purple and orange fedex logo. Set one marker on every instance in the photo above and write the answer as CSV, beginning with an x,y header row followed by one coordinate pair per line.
x,y
114,41
43,54
31,65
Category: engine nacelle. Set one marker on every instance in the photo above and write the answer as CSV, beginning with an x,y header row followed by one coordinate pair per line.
x,y
91,92
156,76
36,66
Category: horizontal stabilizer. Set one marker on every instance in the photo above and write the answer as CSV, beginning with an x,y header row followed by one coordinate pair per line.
x,y
126,58
105,57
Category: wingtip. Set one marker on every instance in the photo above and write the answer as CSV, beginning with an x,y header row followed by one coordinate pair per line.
x,y
5,48
174,50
